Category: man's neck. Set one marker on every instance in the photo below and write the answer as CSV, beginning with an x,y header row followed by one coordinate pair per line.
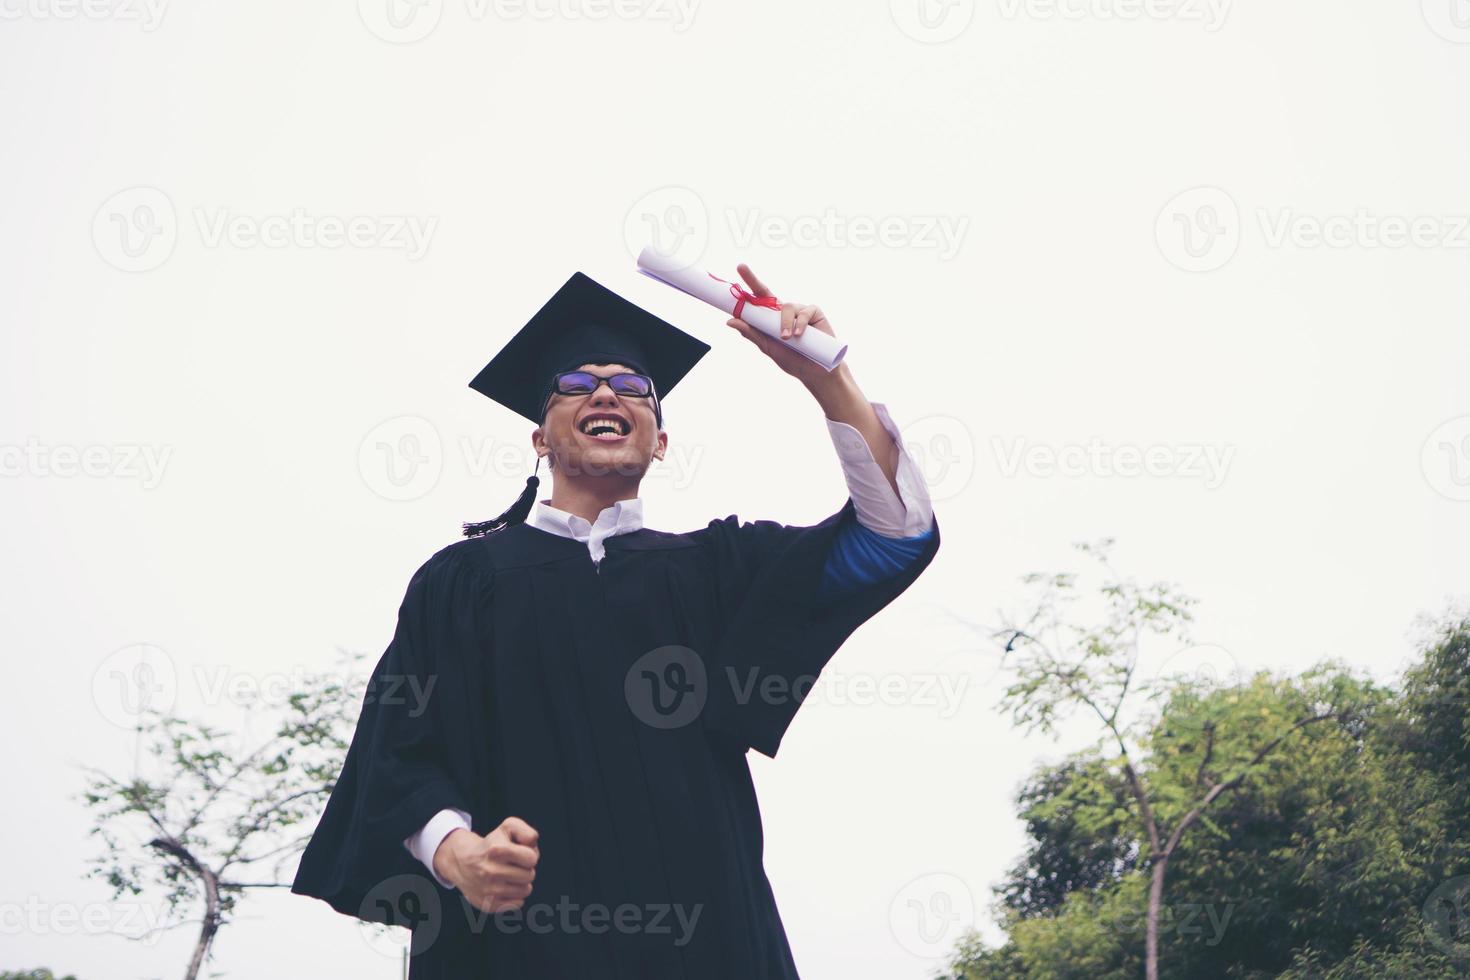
x,y
589,498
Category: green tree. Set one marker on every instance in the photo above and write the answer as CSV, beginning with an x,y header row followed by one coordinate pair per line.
x,y
1345,855
1065,663
217,814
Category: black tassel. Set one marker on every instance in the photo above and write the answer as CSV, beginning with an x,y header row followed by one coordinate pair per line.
x,y
515,514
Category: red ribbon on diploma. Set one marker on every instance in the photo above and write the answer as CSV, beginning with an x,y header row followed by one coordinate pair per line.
x,y
743,296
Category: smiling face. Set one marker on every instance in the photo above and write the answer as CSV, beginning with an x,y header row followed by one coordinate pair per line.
x,y
601,434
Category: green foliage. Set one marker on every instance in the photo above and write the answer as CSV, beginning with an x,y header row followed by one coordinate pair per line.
x,y
213,812
33,975
1082,830
1080,651
1344,855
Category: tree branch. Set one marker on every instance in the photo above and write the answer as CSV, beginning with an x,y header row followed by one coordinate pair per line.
x,y
1235,781
1199,776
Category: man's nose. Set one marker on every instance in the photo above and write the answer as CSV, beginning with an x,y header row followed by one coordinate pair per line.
x,y
604,396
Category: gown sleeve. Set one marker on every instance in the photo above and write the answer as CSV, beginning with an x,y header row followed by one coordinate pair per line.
x,y
397,771
776,629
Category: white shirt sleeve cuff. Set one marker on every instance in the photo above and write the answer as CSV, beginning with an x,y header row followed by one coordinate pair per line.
x,y
906,514
423,844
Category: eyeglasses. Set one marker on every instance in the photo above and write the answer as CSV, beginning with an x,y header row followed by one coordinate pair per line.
x,y
624,383
585,383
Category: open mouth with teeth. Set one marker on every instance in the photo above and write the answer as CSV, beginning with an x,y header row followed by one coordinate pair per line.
x,y
605,428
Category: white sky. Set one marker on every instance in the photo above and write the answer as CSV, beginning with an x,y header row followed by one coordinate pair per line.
x,y
1059,316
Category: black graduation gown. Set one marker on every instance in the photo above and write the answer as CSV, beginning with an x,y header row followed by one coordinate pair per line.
x,y
610,706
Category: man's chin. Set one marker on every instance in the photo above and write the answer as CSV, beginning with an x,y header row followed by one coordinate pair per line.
x,y
594,462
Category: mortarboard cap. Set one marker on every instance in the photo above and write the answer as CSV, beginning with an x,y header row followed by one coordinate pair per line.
x,y
583,323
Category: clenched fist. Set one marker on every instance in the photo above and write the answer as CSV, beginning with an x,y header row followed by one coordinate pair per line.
x,y
494,872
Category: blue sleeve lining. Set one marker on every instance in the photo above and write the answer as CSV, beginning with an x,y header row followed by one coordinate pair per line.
x,y
861,557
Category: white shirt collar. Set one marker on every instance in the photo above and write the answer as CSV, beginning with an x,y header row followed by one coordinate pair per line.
x,y
622,517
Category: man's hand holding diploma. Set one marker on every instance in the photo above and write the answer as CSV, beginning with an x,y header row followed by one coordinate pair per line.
x,y
834,390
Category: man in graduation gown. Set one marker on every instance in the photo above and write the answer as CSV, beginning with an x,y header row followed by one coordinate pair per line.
x,y
548,777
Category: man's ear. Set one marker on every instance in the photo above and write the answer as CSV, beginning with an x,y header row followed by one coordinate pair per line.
x,y
539,444
662,446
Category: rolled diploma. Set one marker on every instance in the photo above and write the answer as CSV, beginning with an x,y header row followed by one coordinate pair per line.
x,y
823,348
